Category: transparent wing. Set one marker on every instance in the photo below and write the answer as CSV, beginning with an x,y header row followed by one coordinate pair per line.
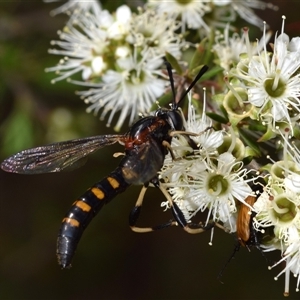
x,y
58,156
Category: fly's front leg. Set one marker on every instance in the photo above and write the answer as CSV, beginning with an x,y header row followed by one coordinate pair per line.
x,y
191,228
168,146
170,149
189,133
135,213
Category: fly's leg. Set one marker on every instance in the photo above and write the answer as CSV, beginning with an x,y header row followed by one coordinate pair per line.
x,y
135,213
235,250
179,219
170,149
189,133
168,146
188,138
192,228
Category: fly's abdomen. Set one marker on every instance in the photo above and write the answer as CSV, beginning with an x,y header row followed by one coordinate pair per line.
x,y
82,212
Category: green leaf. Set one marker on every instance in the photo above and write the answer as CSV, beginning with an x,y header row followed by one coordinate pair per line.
x,y
224,111
257,127
208,74
247,160
250,142
174,63
268,135
198,55
208,46
217,118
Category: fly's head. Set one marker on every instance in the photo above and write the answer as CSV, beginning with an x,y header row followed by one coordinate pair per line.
x,y
172,116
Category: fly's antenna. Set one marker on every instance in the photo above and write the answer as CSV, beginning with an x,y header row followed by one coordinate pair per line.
x,y
169,69
199,75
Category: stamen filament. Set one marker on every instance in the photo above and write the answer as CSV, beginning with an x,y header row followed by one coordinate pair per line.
x,y
234,92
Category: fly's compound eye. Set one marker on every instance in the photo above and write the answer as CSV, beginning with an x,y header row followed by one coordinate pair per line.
x,y
175,120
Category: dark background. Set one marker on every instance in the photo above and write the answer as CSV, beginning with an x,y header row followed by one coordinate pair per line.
x,y
111,261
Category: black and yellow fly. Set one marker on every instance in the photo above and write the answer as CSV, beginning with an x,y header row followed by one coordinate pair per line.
x,y
146,144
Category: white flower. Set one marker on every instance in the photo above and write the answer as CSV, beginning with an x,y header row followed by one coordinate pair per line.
x,y
228,49
227,10
291,257
82,42
155,33
208,140
190,12
81,6
131,90
273,84
278,208
219,187
121,26
203,179
177,180
119,57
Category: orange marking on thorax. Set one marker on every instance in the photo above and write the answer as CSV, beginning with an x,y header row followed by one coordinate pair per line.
x,y
142,137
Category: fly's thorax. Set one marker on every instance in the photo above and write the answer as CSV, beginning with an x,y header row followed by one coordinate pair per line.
x,y
154,128
142,162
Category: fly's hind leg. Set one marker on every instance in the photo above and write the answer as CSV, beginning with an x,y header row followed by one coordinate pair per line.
x,y
179,219
135,213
